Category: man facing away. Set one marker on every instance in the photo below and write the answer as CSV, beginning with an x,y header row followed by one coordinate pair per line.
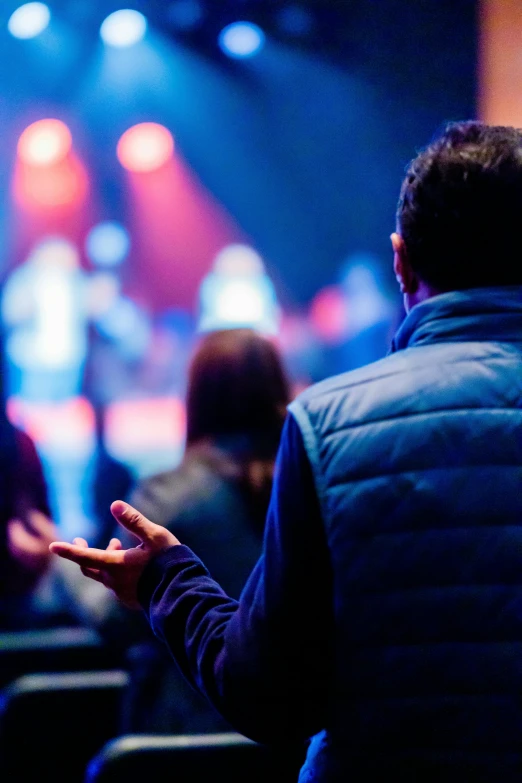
x,y
384,618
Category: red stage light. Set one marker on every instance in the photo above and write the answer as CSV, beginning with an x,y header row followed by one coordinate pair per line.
x,y
145,147
44,143
65,184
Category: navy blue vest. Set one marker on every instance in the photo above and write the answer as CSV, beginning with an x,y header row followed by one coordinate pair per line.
x,y
418,466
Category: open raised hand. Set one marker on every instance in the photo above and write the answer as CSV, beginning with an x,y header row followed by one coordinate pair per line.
x,y
117,568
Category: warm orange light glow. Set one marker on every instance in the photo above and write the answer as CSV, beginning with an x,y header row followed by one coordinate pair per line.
x,y
65,184
44,143
145,147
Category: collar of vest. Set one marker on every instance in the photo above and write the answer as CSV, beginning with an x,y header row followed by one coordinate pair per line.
x,y
477,314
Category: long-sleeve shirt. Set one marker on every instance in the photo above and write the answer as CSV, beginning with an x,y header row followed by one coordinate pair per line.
x,y
265,661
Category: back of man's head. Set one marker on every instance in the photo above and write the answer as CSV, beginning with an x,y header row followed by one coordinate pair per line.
x,y
460,208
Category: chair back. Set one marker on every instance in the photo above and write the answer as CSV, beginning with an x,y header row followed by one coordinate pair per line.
x,y
52,724
53,650
199,758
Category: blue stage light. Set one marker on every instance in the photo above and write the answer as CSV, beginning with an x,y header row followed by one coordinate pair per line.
x,y
241,39
107,244
123,28
29,20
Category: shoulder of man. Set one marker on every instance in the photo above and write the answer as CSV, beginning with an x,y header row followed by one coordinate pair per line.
x,y
320,394
402,383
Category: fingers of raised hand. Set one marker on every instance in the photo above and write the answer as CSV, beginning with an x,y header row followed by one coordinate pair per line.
x,y
153,536
122,585
132,520
86,557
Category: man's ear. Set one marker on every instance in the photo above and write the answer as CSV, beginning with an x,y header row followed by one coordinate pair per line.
x,y
406,277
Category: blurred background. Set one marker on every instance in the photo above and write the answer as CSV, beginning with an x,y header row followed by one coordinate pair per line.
x,y
169,168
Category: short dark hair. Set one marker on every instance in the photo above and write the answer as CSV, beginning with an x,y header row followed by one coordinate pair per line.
x,y
460,208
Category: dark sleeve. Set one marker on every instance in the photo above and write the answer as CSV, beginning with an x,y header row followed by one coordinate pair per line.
x,y
264,661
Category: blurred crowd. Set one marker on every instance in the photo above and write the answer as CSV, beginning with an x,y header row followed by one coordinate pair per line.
x,y
215,500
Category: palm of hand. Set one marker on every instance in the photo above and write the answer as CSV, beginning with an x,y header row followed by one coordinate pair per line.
x,y
122,576
117,568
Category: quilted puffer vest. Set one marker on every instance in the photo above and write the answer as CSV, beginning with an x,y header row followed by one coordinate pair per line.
x,y
418,466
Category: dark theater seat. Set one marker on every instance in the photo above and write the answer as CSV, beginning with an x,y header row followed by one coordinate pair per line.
x,y
53,650
52,724
201,758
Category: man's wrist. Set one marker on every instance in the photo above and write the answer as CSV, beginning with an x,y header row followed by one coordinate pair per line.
x,y
155,570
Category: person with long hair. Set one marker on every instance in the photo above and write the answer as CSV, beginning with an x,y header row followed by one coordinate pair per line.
x,y
236,403
236,400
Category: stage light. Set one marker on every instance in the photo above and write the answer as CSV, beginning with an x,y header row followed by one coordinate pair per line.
x,y
29,20
241,39
44,143
123,28
145,147
63,185
107,244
